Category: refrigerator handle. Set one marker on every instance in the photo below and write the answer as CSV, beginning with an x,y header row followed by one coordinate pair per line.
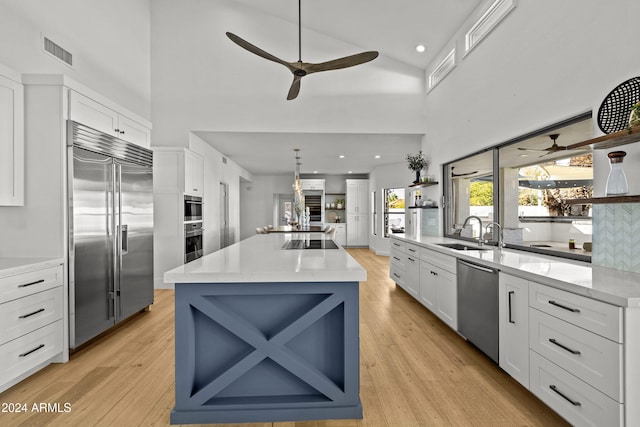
x,y
124,239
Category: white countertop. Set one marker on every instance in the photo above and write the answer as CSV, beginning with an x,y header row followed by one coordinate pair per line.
x,y
13,266
260,258
621,288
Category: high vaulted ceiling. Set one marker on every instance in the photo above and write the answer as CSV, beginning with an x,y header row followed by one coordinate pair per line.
x,y
359,111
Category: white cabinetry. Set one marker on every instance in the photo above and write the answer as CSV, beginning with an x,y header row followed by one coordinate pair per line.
x,y
438,285
312,184
513,303
31,315
577,356
413,270
341,233
11,139
397,262
96,115
357,212
178,170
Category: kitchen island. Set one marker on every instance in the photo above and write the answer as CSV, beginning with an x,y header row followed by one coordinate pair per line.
x,y
265,333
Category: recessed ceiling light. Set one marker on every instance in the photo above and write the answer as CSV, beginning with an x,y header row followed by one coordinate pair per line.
x,y
421,48
315,171
524,155
350,171
341,156
377,156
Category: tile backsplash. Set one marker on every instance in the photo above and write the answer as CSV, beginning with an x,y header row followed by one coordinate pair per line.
x,y
429,222
616,236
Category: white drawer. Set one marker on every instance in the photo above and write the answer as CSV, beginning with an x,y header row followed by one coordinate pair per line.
x,y
398,245
412,250
575,400
588,356
399,259
445,262
21,285
397,274
24,315
596,316
28,351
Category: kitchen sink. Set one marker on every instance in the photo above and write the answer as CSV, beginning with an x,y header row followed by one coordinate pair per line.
x,y
461,247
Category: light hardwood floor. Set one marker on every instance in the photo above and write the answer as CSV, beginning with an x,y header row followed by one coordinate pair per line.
x,y
415,371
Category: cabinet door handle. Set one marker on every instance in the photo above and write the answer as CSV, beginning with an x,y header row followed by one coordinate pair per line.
x,y
510,295
434,273
31,351
396,258
411,259
564,347
396,244
573,310
412,250
24,285
24,316
396,275
573,402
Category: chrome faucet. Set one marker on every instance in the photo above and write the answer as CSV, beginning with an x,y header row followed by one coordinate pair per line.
x,y
500,234
481,240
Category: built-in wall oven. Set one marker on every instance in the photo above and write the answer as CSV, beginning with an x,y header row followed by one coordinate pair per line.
x,y
192,241
192,208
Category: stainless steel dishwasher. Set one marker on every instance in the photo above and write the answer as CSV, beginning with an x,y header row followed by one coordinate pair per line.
x,y
478,306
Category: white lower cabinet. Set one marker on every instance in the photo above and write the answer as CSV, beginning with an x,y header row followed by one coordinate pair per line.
x,y
413,270
31,315
575,400
428,285
341,233
513,303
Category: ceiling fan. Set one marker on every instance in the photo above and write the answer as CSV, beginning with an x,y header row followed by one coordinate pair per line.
x,y
457,175
299,68
549,150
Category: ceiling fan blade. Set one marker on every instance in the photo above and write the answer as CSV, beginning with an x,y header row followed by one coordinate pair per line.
x,y
294,90
257,51
336,64
532,149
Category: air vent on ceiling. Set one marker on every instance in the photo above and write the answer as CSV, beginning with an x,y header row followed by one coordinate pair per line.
x,y
442,69
57,51
487,22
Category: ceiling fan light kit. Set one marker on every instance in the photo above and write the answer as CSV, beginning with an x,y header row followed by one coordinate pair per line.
x,y
299,69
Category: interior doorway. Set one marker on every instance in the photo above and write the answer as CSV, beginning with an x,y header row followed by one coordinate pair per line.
x,y
285,209
224,215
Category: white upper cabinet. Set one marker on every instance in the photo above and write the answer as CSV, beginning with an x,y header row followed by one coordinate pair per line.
x,y
312,184
194,174
11,141
357,196
95,115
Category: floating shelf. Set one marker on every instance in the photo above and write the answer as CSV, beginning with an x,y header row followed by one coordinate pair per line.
x,y
424,184
423,207
334,194
334,209
600,200
615,139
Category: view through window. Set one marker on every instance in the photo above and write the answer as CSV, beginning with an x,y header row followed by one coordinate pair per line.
x,y
393,211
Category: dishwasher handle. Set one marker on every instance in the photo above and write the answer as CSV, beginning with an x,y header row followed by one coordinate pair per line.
x,y
478,267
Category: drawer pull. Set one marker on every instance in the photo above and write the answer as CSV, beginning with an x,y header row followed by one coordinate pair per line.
x,y
573,310
24,285
396,258
31,351
553,341
24,316
510,295
411,259
397,244
573,402
411,250
396,275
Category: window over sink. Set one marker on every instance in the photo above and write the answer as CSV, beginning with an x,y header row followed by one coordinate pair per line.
x,y
524,185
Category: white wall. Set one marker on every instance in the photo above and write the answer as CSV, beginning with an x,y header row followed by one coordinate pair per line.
x,y
547,61
215,172
202,81
109,40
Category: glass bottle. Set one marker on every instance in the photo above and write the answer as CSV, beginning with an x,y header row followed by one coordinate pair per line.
x,y
617,181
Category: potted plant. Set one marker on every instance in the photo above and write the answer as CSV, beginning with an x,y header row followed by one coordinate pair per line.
x,y
339,203
417,162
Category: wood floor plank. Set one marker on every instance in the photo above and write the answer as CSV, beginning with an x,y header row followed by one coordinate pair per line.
x,y
415,371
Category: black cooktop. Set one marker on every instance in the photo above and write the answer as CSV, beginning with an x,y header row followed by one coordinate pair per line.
x,y
310,244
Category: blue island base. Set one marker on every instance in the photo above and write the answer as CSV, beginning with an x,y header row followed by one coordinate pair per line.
x,y
260,352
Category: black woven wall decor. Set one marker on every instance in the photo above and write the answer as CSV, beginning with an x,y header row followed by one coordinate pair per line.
x,y
613,115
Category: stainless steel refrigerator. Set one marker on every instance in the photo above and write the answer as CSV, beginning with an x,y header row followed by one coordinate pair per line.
x,y
110,231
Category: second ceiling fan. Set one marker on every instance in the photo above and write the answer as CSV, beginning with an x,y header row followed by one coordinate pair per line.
x,y
300,69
